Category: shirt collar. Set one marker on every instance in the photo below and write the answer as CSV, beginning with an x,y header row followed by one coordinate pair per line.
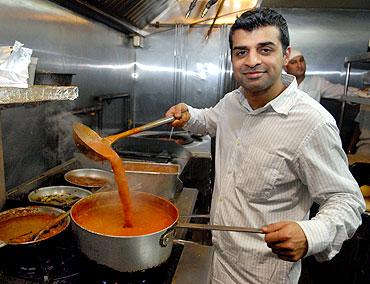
x,y
281,104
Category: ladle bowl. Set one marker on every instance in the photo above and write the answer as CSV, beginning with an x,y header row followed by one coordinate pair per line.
x,y
93,146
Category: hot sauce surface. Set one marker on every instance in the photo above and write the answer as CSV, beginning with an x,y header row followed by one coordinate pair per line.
x,y
104,215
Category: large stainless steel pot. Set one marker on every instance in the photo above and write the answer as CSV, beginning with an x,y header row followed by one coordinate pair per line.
x,y
124,253
133,253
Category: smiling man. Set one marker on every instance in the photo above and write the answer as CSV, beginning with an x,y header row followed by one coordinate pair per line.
x,y
277,151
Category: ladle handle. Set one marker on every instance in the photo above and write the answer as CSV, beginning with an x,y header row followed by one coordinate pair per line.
x,y
218,228
159,122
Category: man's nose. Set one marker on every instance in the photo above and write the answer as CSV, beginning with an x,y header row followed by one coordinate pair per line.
x,y
252,59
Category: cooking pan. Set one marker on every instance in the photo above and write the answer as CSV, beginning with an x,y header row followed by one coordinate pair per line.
x,y
17,220
62,196
92,178
135,252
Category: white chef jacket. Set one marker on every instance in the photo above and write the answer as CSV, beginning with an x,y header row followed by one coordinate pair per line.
x,y
318,87
271,164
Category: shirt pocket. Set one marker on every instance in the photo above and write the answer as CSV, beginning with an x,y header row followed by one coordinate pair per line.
x,y
257,172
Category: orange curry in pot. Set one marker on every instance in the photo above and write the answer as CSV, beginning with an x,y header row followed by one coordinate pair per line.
x,y
102,213
130,215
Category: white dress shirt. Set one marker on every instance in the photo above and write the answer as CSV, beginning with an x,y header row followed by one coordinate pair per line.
x,y
271,164
318,87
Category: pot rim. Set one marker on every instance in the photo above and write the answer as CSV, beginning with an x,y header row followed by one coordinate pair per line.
x,y
170,227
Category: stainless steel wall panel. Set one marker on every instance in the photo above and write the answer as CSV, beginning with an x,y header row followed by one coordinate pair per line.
x,y
179,65
64,42
154,77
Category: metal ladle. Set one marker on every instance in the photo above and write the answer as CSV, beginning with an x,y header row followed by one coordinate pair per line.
x,y
92,145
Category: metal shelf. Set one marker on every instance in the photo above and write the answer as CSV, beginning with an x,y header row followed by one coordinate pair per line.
x,y
359,61
37,93
12,97
357,100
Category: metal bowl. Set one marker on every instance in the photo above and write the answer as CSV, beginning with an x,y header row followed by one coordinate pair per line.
x,y
58,195
15,213
89,177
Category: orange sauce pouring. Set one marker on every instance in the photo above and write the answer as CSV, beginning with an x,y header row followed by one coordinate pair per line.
x,y
142,213
119,174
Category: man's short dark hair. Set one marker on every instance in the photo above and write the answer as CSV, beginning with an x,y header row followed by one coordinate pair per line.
x,y
261,17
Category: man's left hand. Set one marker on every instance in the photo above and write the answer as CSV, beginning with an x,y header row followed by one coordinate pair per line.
x,y
286,239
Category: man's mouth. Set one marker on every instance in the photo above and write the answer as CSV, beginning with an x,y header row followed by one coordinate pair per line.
x,y
253,74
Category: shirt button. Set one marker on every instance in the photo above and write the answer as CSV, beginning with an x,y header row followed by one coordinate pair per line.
x,y
238,141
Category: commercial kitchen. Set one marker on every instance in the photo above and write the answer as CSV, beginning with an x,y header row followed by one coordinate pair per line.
x,y
115,65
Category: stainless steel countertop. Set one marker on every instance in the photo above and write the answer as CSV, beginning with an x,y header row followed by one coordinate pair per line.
x,y
194,265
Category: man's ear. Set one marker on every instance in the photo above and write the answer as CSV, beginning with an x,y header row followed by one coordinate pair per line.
x,y
286,55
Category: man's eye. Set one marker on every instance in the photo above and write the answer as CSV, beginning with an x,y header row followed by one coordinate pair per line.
x,y
240,52
265,50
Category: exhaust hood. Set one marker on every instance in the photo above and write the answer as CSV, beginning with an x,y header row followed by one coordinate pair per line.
x,y
133,16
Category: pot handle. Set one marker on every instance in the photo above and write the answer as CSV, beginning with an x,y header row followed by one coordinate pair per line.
x,y
166,237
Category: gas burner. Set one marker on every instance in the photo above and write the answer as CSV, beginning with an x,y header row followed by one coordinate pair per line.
x,y
162,274
63,263
42,264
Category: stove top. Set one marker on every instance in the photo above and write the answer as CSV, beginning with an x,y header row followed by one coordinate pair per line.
x,y
58,260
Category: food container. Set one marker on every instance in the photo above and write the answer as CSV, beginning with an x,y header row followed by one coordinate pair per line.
x,y
19,216
62,196
155,178
92,178
124,253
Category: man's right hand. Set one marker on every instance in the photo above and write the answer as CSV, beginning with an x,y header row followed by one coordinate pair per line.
x,y
181,113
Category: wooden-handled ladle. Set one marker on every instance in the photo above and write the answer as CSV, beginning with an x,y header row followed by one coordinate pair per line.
x,y
92,145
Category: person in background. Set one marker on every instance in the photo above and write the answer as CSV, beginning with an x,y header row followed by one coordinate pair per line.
x,y
316,86
277,151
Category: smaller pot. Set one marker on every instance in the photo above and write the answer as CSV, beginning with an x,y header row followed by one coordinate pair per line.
x,y
24,212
